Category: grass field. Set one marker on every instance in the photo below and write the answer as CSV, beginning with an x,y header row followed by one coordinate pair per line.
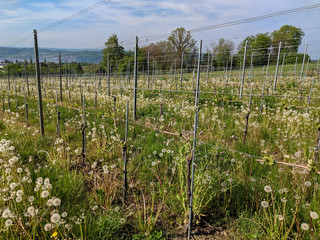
x,y
256,158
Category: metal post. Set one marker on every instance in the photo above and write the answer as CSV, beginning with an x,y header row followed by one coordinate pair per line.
x,y
58,115
83,152
194,141
277,67
125,181
243,68
304,58
208,63
99,76
148,70
230,71
36,53
60,77
135,80
181,73
26,106
108,66
281,73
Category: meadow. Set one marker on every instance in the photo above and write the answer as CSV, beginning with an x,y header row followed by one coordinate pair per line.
x,y
256,169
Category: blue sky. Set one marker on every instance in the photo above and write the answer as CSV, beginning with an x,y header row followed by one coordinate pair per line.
x,y
147,18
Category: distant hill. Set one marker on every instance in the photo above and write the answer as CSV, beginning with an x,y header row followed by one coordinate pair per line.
x,y
51,55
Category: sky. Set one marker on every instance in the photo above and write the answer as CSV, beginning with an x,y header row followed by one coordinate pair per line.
x,y
145,18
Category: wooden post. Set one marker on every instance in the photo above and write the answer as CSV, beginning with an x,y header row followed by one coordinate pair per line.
x,y
36,53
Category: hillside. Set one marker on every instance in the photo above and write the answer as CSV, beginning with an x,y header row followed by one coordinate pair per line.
x,y
51,55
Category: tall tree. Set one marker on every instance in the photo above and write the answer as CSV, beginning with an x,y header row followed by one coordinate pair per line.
x,y
259,45
290,36
113,48
222,51
182,41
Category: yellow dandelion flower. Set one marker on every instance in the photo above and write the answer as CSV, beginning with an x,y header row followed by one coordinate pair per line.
x,y
54,234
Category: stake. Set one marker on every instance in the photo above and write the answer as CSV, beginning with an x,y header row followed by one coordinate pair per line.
x,y
135,80
277,67
194,142
36,53
125,181
247,119
26,106
108,66
243,68
84,133
148,70
60,77
181,72
58,115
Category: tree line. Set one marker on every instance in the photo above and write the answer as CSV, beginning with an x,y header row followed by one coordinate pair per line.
x,y
167,54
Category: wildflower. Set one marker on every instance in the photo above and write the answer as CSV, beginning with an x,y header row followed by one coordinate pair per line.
x,y
280,217
54,234
56,202
314,215
31,211
264,204
64,214
154,163
268,189
19,193
6,213
31,198
45,194
18,199
307,183
305,226
48,227
55,218
8,223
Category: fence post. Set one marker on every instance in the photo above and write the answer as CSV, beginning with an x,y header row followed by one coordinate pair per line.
x,y
83,152
181,73
36,53
243,68
58,115
125,181
194,142
108,66
277,67
60,77
148,70
135,80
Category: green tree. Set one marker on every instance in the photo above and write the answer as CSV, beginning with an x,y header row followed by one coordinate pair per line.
x,y
182,42
289,36
222,51
113,48
259,45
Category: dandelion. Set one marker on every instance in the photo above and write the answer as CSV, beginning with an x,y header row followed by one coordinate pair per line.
x,y
55,218
305,226
31,199
18,199
68,226
54,234
8,223
307,183
48,227
154,163
280,217
45,194
6,213
31,211
19,193
56,202
64,214
267,189
264,204
314,215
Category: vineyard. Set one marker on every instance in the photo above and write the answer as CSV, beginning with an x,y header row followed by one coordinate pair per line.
x,y
190,151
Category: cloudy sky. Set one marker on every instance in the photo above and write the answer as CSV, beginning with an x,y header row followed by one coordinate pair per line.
x,y
148,18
